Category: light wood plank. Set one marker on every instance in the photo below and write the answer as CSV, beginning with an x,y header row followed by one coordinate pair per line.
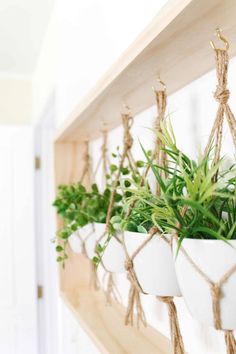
x,y
105,324
175,44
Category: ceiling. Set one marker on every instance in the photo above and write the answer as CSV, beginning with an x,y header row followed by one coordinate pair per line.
x,y
23,24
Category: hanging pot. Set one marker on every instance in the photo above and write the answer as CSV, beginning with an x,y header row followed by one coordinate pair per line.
x,y
86,233
114,256
153,265
215,258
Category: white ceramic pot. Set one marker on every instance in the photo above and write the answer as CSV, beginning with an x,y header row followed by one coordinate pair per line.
x,y
114,255
75,243
153,265
86,233
214,258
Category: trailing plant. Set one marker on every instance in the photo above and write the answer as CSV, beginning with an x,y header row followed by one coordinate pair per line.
x,y
71,205
130,173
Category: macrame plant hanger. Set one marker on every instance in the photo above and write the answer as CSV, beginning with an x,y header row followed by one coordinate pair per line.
x,y
103,161
159,156
127,121
223,112
88,173
111,290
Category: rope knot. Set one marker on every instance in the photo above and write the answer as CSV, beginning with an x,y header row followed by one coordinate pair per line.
x,y
128,140
166,299
216,291
127,123
222,95
128,264
86,157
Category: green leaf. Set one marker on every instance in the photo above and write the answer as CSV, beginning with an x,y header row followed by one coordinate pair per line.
x,y
113,168
139,163
59,248
125,171
60,259
141,229
127,183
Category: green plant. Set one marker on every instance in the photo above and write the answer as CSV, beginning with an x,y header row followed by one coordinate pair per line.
x,y
191,201
130,173
71,205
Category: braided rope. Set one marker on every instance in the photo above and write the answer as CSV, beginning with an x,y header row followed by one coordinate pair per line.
x,y
222,96
87,169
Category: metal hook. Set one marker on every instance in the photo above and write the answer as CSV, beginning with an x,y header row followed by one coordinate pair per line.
x,y
161,82
104,125
127,108
221,37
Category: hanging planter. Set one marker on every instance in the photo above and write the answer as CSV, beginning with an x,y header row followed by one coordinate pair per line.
x,y
153,265
218,261
113,258
83,240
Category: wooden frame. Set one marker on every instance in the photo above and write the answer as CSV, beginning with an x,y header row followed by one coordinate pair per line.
x,y
176,45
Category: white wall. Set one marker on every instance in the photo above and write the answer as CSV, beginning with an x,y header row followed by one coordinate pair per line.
x,y
18,317
92,35
16,99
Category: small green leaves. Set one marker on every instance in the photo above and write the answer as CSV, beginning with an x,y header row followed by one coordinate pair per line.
x,y
118,197
59,248
125,171
95,188
96,261
64,234
141,229
127,194
139,164
113,168
127,183
74,226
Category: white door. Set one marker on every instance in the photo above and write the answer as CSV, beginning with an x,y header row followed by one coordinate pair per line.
x,y
18,316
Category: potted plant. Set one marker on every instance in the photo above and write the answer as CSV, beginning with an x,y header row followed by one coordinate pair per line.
x,y
153,264
110,252
113,257
72,204
202,215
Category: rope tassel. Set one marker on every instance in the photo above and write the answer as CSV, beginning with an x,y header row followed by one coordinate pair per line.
x,y
230,342
94,281
135,288
111,291
176,337
134,302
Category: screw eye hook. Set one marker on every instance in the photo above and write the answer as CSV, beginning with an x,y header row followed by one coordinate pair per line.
x,y
221,37
161,82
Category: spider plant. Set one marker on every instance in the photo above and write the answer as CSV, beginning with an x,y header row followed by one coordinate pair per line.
x,y
192,203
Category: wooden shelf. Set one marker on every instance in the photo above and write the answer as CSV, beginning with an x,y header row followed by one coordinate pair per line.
x,y
103,323
175,44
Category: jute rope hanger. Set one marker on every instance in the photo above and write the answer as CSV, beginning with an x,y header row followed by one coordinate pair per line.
x,y
127,121
87,172
222,96
134,302
111,290
104,159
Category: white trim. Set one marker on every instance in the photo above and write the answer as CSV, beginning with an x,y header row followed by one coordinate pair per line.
x,y
48,314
